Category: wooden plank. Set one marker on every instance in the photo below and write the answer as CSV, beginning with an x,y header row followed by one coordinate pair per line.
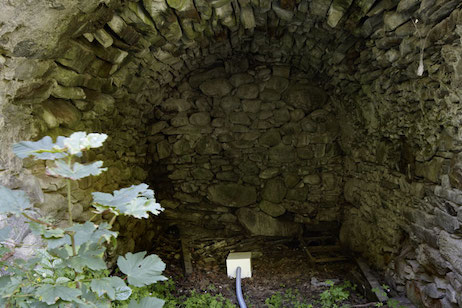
x,y
325,248
302,242
188,269
372,280
330,259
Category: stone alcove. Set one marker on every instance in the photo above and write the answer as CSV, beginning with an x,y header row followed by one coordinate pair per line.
x,y
176,85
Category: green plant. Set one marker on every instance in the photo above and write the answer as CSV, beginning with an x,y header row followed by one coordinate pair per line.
x,y
199,300
70,270
382,292
289,298
332,297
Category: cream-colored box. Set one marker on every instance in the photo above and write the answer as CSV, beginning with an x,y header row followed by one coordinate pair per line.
x,y
241,259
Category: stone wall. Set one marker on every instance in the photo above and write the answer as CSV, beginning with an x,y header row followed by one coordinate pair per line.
x,y
391,70
241,148
401,138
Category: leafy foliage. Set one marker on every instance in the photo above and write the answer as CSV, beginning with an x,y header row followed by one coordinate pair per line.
x,y
290,298
71,271
139,270
136,201
335,295
13,201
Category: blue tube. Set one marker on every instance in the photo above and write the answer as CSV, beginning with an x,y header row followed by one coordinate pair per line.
x,y
240,298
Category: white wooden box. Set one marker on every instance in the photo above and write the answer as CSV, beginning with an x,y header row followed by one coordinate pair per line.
x,y
241,259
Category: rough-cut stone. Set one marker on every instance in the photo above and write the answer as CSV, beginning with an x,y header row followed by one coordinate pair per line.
x,y
247,91
56,112
230,103
251,106
239,79
232,195
282,153
200,118
305,97
259,223
278,84
173,104
269,173
208,145
274,191
270,138
216,87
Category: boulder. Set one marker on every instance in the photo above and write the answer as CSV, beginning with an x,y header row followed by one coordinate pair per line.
x,y
247,91
216,87
259,223
232,195
305,97
274,191
208,145
272,209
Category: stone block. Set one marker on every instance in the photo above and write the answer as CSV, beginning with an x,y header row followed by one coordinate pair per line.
x,y
272,209
247,91
232,195
216,87
57,112
274,191
259,223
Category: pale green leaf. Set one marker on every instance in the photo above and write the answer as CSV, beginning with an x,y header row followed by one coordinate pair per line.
x,y
114,287
50,294
90,256
91,300
140,207
13,201
123,293
53,243
5,233
42,149
91,233
136,201
80,141
147,302
76,171
61,280
141,271
122,196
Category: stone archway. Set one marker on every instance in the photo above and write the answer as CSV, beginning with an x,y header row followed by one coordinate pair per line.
x,y
194,90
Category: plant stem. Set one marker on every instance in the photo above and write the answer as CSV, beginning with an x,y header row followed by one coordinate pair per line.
x,y
74,250
93,217
38,221
69,204
112,220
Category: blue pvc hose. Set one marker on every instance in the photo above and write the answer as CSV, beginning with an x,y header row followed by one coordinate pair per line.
x,y
240,298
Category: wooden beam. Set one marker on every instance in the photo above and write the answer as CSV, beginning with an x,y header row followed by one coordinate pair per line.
x,y
188,269
372,280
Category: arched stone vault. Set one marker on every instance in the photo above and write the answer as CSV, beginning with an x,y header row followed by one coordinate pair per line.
x,y
379,83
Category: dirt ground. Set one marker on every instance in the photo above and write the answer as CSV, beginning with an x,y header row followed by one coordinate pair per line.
x,y
278,265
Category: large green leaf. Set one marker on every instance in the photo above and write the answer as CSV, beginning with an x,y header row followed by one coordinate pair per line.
x,y
114,287
76,171
136,200
140,207
147,302
91,233
80,141
5,233
13,201
50,294
122,196
42,149
91,300
90,256
141,271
